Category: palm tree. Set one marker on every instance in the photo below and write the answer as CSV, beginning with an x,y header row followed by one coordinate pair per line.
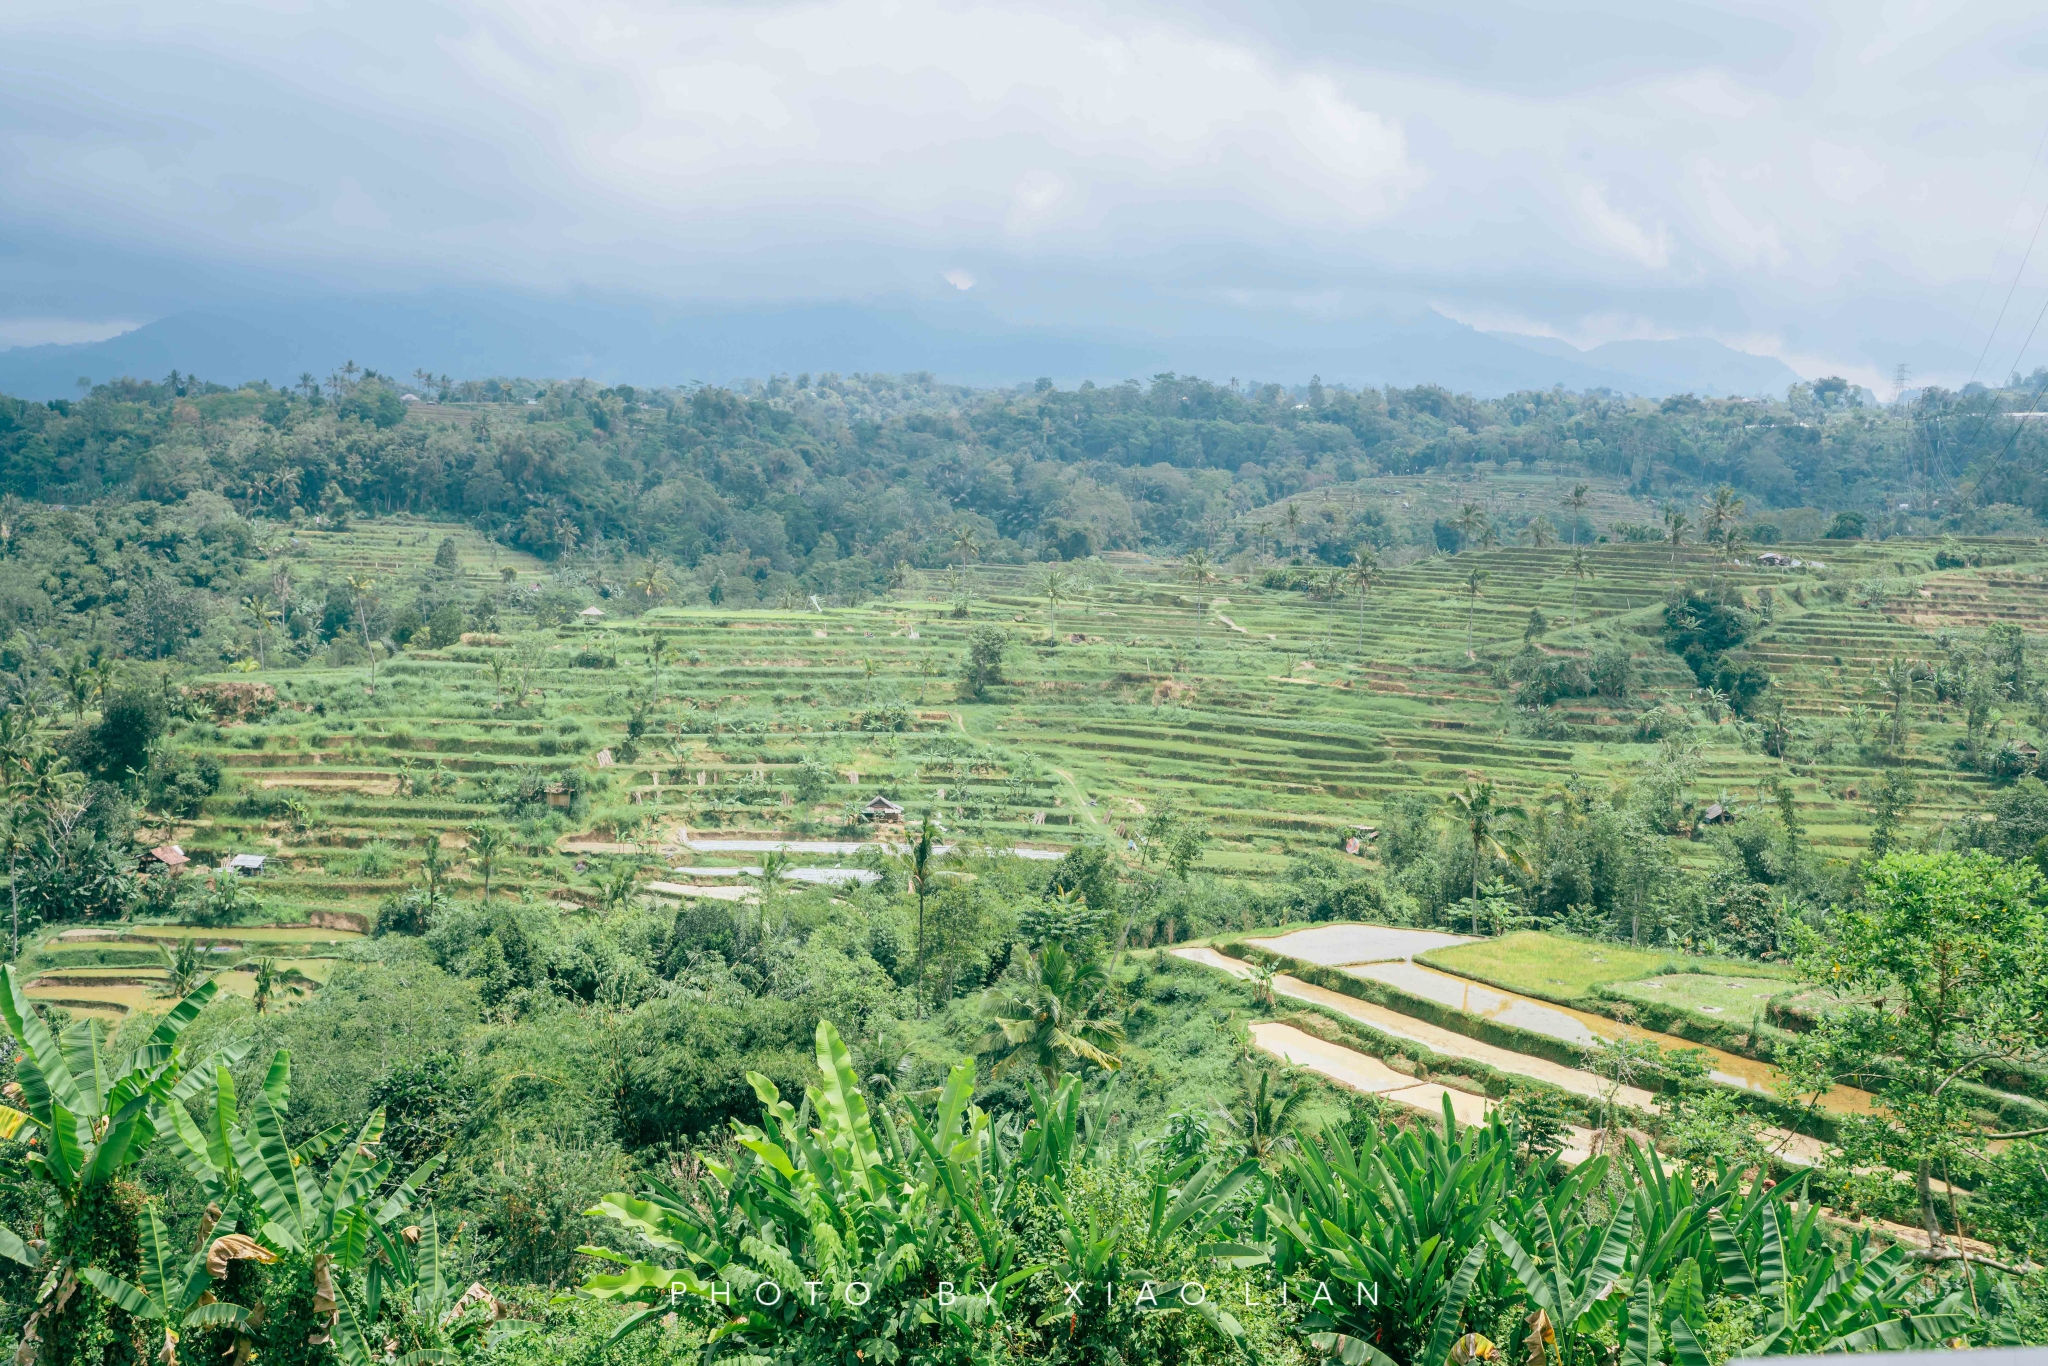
x,y
1267,1110
652,582
968,548
359,587
1471,522
1540,532
78,683
1723,506
1056,585
271,979
1489,823
1473,589
260,610
1053,1018
102,680
1580,570
1899,684
1362,573
1734,541
486,846
1194,569
17,836
1577,501
1675,523
659,650
616,892
918,859
184,970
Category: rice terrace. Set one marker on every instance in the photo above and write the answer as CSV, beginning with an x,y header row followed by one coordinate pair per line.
x,y
1417,917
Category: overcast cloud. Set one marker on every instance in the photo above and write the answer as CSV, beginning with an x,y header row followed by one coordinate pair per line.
x,y
1845,186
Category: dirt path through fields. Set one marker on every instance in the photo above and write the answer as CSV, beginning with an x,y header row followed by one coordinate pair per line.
x,y
1431,1036
1363,1073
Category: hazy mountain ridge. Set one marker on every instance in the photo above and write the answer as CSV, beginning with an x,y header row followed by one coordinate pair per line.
x,y
646,342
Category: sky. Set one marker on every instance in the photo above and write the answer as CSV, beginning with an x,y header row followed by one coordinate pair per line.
x,y
1844,186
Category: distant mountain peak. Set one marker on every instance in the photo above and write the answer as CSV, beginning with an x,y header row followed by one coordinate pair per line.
x,y
1698,365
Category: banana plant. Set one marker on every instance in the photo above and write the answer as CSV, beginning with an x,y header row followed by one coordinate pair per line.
x,y
255,1175
831,1236
1393,1235
433,1322
84,1117
1673,1212
89,1113
1821,1300
177,1292
1578,1270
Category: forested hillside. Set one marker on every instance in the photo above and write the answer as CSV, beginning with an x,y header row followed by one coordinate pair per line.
x,y
860,870
836,480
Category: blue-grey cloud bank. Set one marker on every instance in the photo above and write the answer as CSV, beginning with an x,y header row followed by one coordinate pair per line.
x,y
1713,196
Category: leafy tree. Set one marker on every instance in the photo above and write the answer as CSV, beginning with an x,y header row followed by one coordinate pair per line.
x,y
79,874
444,627
1847,526
985,647
1889,805
116,748
1088,869
1940,972
813,780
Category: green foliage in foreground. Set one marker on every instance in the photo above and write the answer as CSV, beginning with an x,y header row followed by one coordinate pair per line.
x,y
939,1235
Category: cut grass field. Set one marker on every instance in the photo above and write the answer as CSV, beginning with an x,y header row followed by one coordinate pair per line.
x,y
1555,967
1706,992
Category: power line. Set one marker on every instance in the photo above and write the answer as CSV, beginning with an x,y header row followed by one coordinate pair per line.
x,y
1992,335
2033,164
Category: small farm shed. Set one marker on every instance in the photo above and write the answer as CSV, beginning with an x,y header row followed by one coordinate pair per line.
x,y
169,857
883,811
248,865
